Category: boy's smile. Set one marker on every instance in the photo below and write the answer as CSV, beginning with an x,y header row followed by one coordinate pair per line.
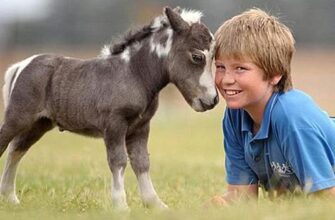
x,y
231,92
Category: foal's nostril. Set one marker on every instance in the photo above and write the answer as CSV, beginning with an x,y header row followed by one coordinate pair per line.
x,y
204,105
211,105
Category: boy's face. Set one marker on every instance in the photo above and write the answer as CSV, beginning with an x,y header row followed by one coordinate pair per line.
x,y
241,83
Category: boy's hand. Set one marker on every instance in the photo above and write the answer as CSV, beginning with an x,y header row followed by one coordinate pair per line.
x,y
234,193
215,201
221,200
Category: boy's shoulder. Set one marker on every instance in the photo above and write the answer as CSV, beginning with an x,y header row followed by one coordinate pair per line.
x,y
295,107
295,97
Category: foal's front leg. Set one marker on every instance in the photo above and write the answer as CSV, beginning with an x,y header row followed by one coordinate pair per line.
x,y
117,161
139,159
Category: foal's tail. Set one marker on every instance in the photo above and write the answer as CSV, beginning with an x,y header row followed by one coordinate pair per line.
x,y
11,76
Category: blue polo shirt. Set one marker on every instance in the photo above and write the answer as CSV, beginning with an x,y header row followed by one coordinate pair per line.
x,y
294,147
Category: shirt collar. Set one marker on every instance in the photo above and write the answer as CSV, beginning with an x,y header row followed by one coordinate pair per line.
x,y
263,132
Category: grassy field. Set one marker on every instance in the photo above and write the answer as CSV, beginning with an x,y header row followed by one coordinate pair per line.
x,y
65,176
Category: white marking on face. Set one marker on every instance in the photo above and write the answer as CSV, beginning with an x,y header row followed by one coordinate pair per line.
x,y
10,74
206,78
162,50
191,16
125,55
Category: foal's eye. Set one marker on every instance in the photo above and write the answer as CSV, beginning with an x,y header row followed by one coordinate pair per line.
x,y
198,58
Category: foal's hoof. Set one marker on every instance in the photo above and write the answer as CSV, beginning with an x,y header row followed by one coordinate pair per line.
x,y
12,199
121,207
156,204
162,205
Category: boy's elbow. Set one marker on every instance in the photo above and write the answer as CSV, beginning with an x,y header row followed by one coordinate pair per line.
x,y
325,193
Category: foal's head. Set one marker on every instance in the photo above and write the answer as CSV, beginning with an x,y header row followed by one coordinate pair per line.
x,y
189,60
184,47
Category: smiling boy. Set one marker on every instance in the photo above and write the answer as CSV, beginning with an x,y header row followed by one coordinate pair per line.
x,y
275,136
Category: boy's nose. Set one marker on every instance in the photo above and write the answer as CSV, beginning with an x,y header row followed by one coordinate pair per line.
x,y
228,78
222,80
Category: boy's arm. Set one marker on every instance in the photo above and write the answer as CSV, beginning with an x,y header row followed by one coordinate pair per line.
x,y
242,181
327,193
236,193
309,154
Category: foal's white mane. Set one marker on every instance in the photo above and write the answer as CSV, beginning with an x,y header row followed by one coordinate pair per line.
x,y
105,51
189,15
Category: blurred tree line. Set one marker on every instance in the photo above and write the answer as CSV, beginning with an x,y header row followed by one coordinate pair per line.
x,y
87,22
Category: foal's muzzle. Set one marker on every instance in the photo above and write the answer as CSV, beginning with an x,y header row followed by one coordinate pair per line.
x,y
203,104
210,105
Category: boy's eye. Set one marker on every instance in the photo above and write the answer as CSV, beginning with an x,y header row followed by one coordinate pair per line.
x,y
240,69
221,67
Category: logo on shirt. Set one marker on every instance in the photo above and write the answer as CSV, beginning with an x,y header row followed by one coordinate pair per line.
x,y
283,169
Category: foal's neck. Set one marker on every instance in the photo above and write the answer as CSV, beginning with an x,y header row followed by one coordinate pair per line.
x,y
150,69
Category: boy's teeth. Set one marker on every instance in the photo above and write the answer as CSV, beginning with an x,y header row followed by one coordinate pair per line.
x,y
230,92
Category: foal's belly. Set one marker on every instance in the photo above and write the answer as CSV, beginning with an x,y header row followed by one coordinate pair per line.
x,y
88,132
91,132
79,128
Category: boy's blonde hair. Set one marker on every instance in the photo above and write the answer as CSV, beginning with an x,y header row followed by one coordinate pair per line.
x,y
256,35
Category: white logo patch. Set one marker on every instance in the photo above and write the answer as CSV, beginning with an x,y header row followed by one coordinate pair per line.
x,y
282,169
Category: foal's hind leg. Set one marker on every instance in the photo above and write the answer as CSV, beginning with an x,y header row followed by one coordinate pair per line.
x,y
18,147
15,122
8,131
139,159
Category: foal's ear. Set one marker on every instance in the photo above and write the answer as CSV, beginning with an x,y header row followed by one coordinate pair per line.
x,y
177,10
177,22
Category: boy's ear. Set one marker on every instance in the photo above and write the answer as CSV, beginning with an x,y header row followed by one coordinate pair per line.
x,y
275,80
177,23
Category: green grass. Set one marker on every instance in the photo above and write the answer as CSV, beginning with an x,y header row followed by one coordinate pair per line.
x,y
66,176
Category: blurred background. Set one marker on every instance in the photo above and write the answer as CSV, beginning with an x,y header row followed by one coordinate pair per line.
x,y
81,27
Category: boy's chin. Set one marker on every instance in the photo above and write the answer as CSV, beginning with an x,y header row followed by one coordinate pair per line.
x,y
233,105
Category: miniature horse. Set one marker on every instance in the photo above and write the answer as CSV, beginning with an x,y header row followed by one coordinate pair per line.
x,y
113,96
